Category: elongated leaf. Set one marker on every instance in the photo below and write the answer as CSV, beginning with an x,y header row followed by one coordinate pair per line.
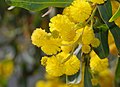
x,y
116,34
37,5
115,30
87,77
116,15
87,74
105,11
103,50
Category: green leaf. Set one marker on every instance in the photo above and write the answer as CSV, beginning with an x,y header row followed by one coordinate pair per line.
x,y
117,74
105,11
87,77
37,5
116,34
103,49
114,29
87,73
116,15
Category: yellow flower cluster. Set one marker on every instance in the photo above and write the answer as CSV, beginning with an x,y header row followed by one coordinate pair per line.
x,y
79,11
64,39
46,41
59,64
6,68
100,71
88,38
104,79
96,64
64,26
94,81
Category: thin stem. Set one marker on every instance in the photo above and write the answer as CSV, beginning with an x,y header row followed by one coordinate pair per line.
x,y
91,17
91,26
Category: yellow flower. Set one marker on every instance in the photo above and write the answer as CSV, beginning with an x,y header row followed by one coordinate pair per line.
x,y
0,69
68,35
86,48
38,37
115,5
54,66
95,42
51,46
50,83
67,48
98,1
64,26
61,64
66,12
6,68
88,35
48,44
79,11
72,65
44,60
60,23
94,81
106,78
49,77
40,84
98,65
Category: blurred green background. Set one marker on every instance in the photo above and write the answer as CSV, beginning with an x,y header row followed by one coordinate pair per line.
x,y
16,27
